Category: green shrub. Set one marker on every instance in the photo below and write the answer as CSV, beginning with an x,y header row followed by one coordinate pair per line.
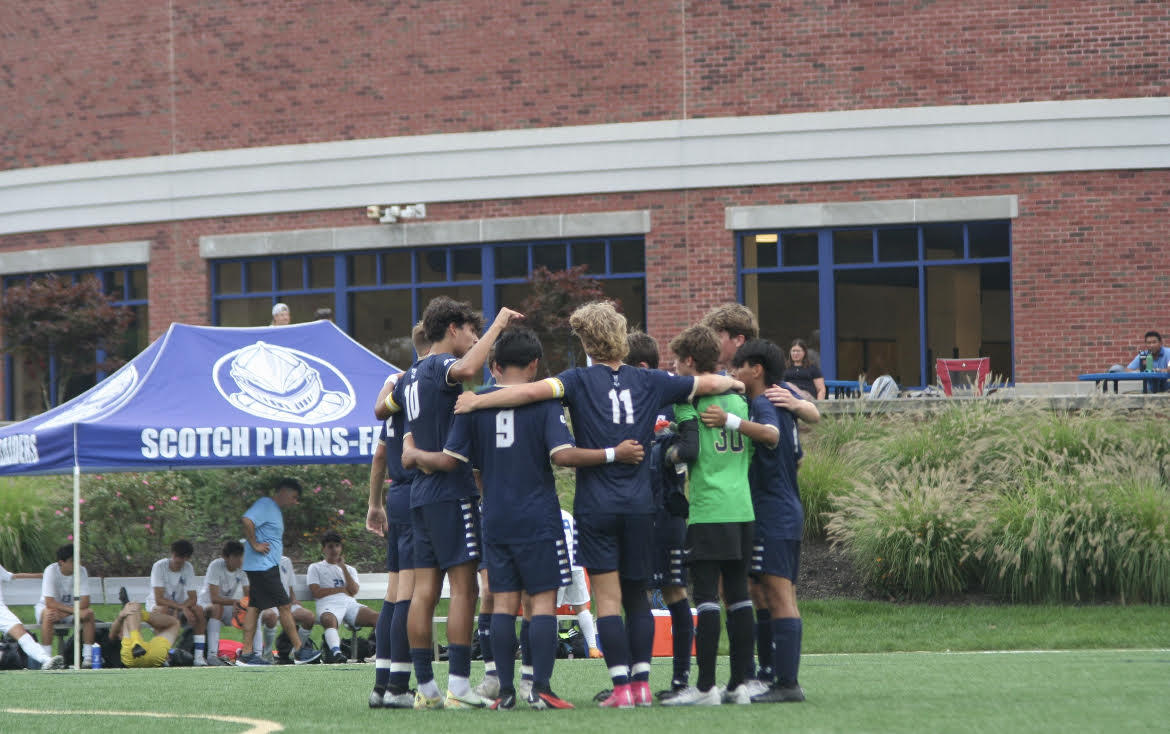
x,y
27,541
824,476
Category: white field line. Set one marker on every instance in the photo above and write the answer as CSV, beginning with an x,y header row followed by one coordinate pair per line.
x,y
983,652
258,726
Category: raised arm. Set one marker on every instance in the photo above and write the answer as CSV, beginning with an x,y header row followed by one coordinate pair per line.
x,y
382,408
469,366
510,397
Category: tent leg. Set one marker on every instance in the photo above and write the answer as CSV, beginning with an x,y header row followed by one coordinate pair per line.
x,y
76,566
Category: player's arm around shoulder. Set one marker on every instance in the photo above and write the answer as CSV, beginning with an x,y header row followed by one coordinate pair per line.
x,y
626,452
710,384
512,396
782,397
714,416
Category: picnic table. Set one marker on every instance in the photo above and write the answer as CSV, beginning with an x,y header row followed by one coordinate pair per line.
x,y
843,389
1151,381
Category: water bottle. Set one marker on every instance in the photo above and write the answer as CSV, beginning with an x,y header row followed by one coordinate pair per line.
x,y
97,657
1149,362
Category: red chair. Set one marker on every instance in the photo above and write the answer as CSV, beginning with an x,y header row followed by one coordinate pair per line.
x,y
981,366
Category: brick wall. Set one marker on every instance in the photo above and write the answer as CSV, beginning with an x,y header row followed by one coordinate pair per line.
x,y
1091,254
84,80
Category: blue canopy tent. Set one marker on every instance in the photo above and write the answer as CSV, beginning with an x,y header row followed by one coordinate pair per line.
x,y
204,397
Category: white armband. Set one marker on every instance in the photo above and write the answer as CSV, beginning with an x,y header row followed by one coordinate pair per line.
x,y
610,455
733,422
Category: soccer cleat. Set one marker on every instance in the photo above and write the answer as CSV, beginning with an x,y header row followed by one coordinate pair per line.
x,y
543,698
505,702
332,657
56,662
524,688
137,651
250,660
781,694
376,699
737,695
678,690
691,696
621,698
469,700
426,703
602,695
200,663
640,689
755,686
392,700
216,661
305,655
489,687
675,687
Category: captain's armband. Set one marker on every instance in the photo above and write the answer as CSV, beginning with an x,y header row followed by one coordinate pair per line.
x,y
393,406
558,387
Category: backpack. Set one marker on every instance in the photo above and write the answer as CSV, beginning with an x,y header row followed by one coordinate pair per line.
x,y
883,388
667,483
11,656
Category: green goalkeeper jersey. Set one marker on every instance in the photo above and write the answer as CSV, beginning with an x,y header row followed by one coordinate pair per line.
x,y
718,487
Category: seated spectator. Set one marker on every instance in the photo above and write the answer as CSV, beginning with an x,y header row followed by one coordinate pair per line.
x,y
303,617
803,372
334,585
223,587
136,651
171,594
11,626
1154,349
281,316
56,604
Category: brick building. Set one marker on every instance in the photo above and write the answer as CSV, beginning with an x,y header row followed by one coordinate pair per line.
x,y
891,181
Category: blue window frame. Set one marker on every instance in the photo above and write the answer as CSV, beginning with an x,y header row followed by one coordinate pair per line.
x,y
884,300
128,287
378,295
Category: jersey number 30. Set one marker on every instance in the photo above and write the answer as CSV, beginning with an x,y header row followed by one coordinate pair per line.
x,y
618,400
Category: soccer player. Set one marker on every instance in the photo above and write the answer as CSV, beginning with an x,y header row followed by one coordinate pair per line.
x,y
333,583
264,530
524,551
56,603
444,506
136,651
389,516
224,585
576,594
670,573
304,619
10,625
172,593
779,516
719,525
614,507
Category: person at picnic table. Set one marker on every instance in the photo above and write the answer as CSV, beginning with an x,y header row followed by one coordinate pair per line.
x,y
1154,349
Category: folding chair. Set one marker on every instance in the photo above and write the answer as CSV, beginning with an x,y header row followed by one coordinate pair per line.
x,y
981,366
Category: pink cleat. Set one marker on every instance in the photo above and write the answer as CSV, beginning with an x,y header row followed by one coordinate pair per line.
x,y
641,692
621,698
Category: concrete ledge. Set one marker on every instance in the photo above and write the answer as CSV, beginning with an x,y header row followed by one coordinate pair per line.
x,y
413,234
857,213
79,257
862,406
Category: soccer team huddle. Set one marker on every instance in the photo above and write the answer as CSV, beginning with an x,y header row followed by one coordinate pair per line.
x,y
680,475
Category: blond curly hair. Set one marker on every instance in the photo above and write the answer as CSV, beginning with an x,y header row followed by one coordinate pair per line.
x,y
602,331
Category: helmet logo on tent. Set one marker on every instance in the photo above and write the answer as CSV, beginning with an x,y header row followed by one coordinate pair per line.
x,y
283,384
103,399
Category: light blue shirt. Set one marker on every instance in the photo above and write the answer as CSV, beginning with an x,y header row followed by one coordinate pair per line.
x,y
1161,361
265,515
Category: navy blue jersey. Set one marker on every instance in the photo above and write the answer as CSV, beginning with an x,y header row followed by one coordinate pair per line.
x,y
511,448
607,407
775,494
429,402
398,496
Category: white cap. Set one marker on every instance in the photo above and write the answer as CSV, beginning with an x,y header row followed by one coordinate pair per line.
x,y
279,308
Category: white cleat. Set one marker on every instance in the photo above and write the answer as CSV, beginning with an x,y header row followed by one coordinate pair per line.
x,y
489,687
691,696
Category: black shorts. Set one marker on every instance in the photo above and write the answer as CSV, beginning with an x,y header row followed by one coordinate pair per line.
x,y
265,589
720,541
399,547
446,534
670,535
612,542
776,557
535,566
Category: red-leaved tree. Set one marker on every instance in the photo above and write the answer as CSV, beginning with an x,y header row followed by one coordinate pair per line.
x,y
552,298
52,320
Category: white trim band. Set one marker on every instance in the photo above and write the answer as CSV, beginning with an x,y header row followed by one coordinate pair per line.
x,y
870,213
852,145
77,257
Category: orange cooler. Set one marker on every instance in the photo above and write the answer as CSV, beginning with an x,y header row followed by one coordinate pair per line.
x,y
663,634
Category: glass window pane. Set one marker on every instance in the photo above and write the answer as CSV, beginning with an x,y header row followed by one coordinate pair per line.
x,y
627,256
432,266
512,296
467,264
303,309
897,245
968,314
138,289
113,282
290,276
549,256
259,275
363,269
245,312
396,266
381,322
943,241
473,294
989,239
788,308
512,261
631,296
321,271
799,249
761,252
853,246
229,278
591,255
878,324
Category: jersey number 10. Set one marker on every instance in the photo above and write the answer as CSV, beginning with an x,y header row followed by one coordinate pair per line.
x,y
619,400
412,409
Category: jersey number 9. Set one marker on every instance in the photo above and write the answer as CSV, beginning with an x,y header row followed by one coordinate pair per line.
x,y
505,429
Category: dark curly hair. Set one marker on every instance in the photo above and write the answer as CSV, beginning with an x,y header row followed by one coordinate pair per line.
x,y
442,312
762,352
700,344
643,348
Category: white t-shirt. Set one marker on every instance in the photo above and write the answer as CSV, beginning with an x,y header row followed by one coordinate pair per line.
x,y
570,526
328,576
231,583
288,576
175,584
59,586
5,577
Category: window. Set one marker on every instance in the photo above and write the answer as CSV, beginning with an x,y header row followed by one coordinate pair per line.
x,y
377,297
23,379
885,300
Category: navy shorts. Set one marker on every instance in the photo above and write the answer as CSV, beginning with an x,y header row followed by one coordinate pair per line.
x,y
776,557
535,566
399,547
446,534
670,534
611,542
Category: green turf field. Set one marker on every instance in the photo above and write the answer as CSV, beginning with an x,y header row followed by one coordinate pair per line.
x,y
1079,691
